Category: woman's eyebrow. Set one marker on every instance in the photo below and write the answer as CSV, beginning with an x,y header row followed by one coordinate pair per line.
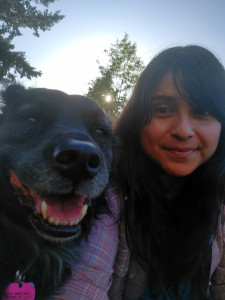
x,y
163,98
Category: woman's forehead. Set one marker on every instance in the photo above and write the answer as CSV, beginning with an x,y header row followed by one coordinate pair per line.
x,y
169,85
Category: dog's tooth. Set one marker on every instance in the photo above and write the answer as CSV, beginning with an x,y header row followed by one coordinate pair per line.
x,y
44,210
84,211
51,220
72,222
56,222
77,221
64,223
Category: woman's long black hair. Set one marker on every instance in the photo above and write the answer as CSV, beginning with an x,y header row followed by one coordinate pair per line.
x,y
172,241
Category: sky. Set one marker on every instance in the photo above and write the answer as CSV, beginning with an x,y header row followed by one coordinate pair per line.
x,y
67,54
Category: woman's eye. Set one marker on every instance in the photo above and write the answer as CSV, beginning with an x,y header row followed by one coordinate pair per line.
x,y
201,113
161,111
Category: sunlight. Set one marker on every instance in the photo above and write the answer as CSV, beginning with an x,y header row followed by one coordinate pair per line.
x,y
72,68
108,98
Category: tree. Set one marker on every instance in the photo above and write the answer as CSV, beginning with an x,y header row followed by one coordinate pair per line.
x,y
111,89
15,15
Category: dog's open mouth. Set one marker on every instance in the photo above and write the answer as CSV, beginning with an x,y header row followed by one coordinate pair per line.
x,y
56,217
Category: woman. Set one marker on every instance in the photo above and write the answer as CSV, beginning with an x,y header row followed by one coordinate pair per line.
x,y
172,166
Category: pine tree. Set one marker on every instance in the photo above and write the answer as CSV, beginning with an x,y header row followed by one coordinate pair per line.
x,y
15,15
111,89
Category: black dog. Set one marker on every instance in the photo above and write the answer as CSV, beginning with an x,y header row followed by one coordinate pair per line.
x,y
55,156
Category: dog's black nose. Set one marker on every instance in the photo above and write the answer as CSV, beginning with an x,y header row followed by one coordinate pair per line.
x,y
75,158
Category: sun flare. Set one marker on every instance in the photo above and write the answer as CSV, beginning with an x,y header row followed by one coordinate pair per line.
x,y
73,67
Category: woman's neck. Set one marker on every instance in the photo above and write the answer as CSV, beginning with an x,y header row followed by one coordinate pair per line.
x,y
170,183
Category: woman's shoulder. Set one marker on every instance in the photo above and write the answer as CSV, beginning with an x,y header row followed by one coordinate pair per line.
x,y
218,241
217,287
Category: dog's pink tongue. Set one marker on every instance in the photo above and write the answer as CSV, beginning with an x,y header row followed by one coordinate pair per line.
x,y
64,210
69,209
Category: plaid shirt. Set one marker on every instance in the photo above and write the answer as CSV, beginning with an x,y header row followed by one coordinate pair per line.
x,y
106,262
130,286
92,275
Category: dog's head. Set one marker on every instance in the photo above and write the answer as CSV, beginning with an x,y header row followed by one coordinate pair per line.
x,y
56,153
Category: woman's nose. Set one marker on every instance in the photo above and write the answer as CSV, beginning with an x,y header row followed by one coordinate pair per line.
x,y
183,127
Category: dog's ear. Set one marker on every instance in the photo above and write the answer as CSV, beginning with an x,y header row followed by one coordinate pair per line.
x,y
11,92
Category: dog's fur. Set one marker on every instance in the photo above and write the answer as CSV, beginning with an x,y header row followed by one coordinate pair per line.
x,y
57,149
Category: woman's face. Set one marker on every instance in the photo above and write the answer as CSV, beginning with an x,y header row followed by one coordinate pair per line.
x,y
179,137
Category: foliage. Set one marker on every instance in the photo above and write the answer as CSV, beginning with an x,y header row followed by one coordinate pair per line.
x,y
117,78
15,15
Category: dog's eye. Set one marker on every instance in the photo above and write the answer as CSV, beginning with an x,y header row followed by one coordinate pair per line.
x,y
32,119
101,131
27,116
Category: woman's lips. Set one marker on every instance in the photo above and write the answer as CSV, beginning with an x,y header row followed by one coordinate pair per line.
x,y
181,152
